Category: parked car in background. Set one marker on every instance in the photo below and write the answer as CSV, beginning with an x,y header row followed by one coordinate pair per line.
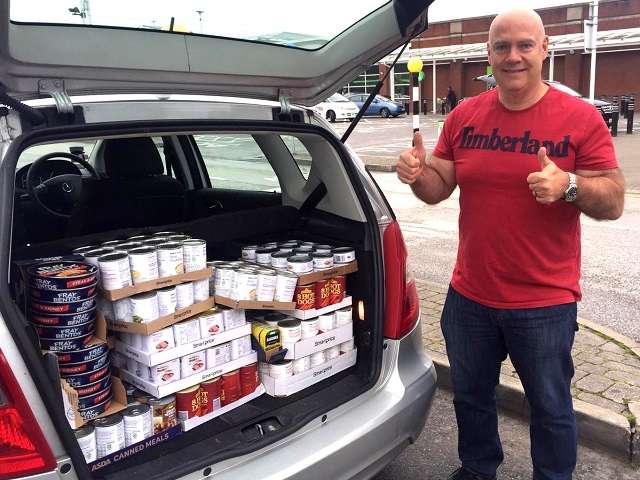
x,y
205,148
380,105
604,107
337,107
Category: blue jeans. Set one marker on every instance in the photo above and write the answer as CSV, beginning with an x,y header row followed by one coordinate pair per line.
x,y
539,342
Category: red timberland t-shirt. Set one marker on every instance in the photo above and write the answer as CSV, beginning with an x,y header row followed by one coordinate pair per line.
x,y
513,251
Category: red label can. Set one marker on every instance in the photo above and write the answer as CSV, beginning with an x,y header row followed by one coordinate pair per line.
x,y
188,403
230,387
304,296
322,293
336,286
209,396
249,379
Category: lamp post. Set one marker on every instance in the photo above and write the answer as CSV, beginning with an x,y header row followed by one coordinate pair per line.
x,y
414,65
200,12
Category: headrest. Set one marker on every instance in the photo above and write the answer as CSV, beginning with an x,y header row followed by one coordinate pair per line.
x,y
132,157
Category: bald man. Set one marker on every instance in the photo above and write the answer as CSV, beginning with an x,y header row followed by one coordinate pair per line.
x,y
528,159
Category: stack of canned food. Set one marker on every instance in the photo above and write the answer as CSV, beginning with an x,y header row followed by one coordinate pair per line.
x,y
293,330
297,256
123,263
61,304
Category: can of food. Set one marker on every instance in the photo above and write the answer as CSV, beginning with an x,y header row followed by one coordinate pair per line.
x,y
317,358
300,264
180,237
83,249
266,285
343,255
114,271
193,363
164,234
223,280
188,403
249,379
61,275
343,316
229,387
279,259
109,432
86,438
290,330
186,331
322,260
170,260
326,322
194,253
144,307
124,247
211,322
141,396
122,310
154,241
243,285
347,346
273,318
200,290
285,286
303,250
166,372
263,255
301,364
249,252
337,286
210,396
143,262
184,294
91,256
281,369
163,411
332,352
266,336
308,328
112,244
322,294
167,301
304,296
240,347
323,248
137,423
139,238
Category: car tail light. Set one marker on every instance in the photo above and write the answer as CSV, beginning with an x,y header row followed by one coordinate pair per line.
x,y
401,306
23,448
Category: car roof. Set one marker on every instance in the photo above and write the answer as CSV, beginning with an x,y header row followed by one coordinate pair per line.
x,y
255,49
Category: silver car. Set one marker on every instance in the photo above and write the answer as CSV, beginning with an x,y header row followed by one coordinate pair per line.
x,y
154,120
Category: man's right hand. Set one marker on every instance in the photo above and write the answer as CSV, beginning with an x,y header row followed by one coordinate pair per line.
x,y
409,165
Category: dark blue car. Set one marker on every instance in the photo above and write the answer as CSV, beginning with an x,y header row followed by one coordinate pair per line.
x,y
380,105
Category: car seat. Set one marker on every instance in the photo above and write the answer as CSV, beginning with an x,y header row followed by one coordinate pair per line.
x,y
136,193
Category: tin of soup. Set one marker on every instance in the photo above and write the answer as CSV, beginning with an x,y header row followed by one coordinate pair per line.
x,y
115,272
170,260
143,262
194,253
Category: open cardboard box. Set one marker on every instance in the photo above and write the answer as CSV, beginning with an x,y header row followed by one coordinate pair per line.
x,y
156,284
254,304
307,278
151,359
322,341
162,322
282,387
166,389
195,421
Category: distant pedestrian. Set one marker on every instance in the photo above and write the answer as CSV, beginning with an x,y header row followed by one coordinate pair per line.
x,y
452,100
526,171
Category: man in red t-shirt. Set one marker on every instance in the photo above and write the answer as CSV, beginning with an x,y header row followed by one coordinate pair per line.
x,y
528,160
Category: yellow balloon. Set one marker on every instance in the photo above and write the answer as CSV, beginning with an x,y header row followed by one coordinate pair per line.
x,y
176,28
414,65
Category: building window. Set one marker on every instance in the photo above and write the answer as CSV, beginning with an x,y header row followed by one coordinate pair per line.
x,y
365,82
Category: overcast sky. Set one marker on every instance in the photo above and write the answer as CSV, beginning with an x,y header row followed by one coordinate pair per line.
x,y
454,9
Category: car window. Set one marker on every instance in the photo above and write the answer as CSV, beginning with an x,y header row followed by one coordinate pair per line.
x,y
336,97
31,154
235,161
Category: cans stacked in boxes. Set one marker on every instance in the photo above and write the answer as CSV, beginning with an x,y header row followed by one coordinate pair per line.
x,y
292,330
201,326
61,304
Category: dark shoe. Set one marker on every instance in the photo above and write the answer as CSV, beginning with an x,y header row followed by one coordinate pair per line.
x,y
462,474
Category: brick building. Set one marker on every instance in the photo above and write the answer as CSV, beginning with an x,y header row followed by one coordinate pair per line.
x,y
454,52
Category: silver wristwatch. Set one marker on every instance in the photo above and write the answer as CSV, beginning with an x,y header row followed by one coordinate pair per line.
x,y
571,193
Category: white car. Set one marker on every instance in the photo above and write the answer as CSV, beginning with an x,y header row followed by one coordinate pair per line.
x,y
338,107
202,144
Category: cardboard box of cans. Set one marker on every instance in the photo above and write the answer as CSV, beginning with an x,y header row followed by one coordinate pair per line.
x,y
195,421
282,387
162,322
157,358
336,270
254,304
313,312
161,390
156,284
322,341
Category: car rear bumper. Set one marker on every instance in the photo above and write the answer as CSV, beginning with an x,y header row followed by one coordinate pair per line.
x,y
359,438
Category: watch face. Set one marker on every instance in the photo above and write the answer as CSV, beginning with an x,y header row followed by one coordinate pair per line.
x,y
571,193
